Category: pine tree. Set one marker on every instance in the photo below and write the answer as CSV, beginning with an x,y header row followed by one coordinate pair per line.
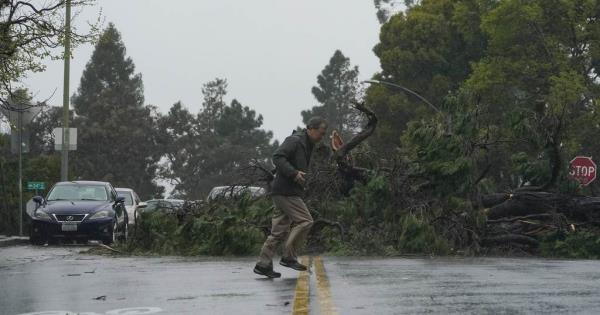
x,y
116,132
213,105
210,149
336,92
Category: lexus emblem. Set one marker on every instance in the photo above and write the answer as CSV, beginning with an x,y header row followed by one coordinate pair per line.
x,y
70,218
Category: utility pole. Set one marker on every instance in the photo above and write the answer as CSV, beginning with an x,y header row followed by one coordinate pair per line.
x,y
64,170
20,129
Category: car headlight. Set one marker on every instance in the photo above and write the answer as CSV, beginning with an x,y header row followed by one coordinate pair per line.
x,y
41,215
100,215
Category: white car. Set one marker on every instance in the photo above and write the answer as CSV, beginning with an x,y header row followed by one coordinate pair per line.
x,y
229,192
132,203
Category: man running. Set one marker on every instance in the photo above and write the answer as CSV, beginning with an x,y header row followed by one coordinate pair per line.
x,y
291,161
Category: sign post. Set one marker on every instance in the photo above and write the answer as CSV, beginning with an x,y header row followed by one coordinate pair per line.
x,y
21,115
583,169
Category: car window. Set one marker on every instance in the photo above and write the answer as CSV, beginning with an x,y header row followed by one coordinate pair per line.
x,y
128,198
78,192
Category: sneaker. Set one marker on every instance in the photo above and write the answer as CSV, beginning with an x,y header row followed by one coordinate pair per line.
x,y
266,271
292,263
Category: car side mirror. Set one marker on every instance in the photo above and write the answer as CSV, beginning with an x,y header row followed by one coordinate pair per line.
x,y
142,205
38,200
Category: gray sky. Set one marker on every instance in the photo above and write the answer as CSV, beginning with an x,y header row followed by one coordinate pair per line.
x,y
270,51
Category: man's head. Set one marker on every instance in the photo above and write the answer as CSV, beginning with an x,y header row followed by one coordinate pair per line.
x,y
316,128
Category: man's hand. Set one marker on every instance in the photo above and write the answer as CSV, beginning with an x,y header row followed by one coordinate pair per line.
x,y
300,178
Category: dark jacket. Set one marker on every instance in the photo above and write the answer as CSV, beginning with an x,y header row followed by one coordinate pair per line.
x,y
293,155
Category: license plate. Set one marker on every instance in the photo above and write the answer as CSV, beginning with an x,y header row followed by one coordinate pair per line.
x,y
66,227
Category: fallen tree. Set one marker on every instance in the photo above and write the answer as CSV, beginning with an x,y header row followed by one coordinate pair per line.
x,y
527,217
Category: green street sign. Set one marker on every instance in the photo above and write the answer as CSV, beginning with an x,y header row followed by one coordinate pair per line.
x,y
36,185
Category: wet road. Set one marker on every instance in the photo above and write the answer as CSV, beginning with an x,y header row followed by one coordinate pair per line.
x,y
59,280
465,286
35,279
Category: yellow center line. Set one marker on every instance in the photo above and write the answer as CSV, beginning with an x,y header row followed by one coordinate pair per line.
x,y
302,291
323,289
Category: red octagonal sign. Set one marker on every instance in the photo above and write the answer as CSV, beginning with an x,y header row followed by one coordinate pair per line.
x,y
583,170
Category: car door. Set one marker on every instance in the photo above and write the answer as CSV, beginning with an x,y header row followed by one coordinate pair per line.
x,y
118,207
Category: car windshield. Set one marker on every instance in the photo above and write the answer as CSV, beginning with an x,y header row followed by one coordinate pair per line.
x,y
127,195
78,192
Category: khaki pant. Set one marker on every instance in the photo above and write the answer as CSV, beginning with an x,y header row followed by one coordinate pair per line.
x,y
288,210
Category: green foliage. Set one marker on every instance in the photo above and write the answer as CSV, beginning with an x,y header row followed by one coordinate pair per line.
x,y
535,85
516,79
44,168
440,157
365,201
224,228
533,172
419,237
375,226
429,49
580,244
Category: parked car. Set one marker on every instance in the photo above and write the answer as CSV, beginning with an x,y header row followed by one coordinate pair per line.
x,y
164,205
84,210
229,192
133,204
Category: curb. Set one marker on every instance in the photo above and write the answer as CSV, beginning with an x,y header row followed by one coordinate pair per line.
x,y
14,240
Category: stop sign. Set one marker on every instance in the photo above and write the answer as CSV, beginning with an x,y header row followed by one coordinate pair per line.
x,y
583,170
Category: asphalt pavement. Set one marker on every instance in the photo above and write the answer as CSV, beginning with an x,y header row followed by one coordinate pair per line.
x,y
465,286
60,280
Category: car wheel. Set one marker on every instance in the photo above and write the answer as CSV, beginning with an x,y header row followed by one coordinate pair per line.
x,y
37,240
113,234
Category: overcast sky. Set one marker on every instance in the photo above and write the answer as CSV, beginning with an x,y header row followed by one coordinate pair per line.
x,y
270,51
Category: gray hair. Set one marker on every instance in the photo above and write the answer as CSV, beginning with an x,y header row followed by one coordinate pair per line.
x,y
316,122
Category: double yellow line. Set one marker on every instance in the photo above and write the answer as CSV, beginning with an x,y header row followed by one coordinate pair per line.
x,y
302,296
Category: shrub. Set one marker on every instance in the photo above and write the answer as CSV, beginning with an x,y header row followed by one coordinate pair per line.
x,y
580,244
229,227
